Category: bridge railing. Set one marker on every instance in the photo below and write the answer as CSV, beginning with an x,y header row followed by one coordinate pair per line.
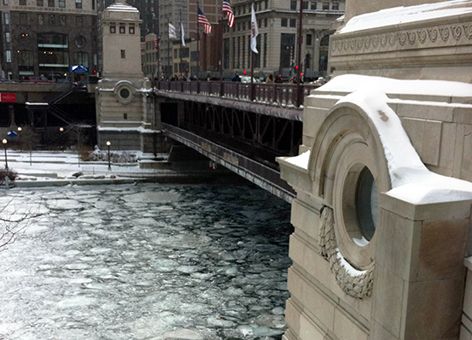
x,y
285,95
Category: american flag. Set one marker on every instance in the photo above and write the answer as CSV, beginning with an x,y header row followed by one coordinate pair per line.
x,y
229,12
202,20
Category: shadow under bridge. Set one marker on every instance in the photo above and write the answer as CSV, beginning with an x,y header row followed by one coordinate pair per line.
x,y
244,137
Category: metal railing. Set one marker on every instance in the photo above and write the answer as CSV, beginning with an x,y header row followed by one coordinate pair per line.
x,y
269,94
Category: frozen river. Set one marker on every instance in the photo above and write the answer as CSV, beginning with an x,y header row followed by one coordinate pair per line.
x,y
144,262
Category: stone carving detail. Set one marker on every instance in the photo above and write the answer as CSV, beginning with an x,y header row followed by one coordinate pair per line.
x,y
421,37
354,282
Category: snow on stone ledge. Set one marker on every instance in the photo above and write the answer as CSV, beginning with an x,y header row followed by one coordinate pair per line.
x,y
353,82
411,180
401,15
300,162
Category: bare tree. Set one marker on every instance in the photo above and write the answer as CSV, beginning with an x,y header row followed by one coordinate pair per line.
x,y
15,217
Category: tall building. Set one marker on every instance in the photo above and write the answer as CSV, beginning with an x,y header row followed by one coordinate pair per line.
x,y
277,41
45,37
172,12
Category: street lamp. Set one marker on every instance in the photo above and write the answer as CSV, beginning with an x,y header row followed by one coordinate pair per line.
x,y
61,129
108,147
20,129
4,142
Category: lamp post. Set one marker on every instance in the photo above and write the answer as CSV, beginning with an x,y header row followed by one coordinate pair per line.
x,y
4,142
20,129
108,147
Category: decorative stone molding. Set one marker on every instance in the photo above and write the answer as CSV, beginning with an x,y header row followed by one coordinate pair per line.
x,y
447,35
354,282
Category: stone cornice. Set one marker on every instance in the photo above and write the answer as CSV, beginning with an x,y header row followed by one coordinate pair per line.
x,y
456,32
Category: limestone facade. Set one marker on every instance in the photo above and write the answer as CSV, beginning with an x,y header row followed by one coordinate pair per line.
x,y
125,105
399,272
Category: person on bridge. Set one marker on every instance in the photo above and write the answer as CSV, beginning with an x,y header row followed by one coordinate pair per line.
x,y
236,77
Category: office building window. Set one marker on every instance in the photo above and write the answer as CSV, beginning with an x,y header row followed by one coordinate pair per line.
x,y
78,3
325,5
51,3
8,56
6,18
123,54
122,29
284,22
305,4
293,23
313,5
112,28
5,2
62,3
293,5
309,39
40,3
7,37
131,29
93,4
23,18
335,6
22,2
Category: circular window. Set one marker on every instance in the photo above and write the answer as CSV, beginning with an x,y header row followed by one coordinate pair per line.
x,y
360,205
80,41
124,93
367,208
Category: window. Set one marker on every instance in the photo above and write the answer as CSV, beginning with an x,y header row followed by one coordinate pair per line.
x,y
62,20
112,28
293,23
40,19
52,19
305,4
325,5
6,18
22,2
131,29
62,3
266,4
7,37
293,5
93,4
50,3
122,29
78,3
123,54
25,58
284,22
335,6
8,56
309,39
81,58
5,2
23,18
40,3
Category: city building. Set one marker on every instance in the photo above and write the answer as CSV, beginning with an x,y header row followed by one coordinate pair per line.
x,y
150,53
45,37
277,41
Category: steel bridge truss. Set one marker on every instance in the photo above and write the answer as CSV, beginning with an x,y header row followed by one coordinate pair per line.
x,y
258,136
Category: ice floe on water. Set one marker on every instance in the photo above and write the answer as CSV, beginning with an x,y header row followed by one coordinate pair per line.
x,y
146,262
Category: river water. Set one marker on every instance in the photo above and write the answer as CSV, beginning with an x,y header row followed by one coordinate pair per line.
x,y
143,261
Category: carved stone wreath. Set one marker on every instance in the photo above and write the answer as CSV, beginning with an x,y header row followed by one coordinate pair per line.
x,y
354,282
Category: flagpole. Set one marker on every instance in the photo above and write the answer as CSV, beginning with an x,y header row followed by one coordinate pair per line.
x,y
198,44
168,49
181,38
252,63
299,56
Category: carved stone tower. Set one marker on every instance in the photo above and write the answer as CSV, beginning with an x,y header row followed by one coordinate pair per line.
x,y
125,110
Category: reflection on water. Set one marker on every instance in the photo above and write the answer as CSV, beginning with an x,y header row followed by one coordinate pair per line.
x,y
146,262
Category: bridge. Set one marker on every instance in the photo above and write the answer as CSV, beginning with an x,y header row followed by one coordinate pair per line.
x,y
241,126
